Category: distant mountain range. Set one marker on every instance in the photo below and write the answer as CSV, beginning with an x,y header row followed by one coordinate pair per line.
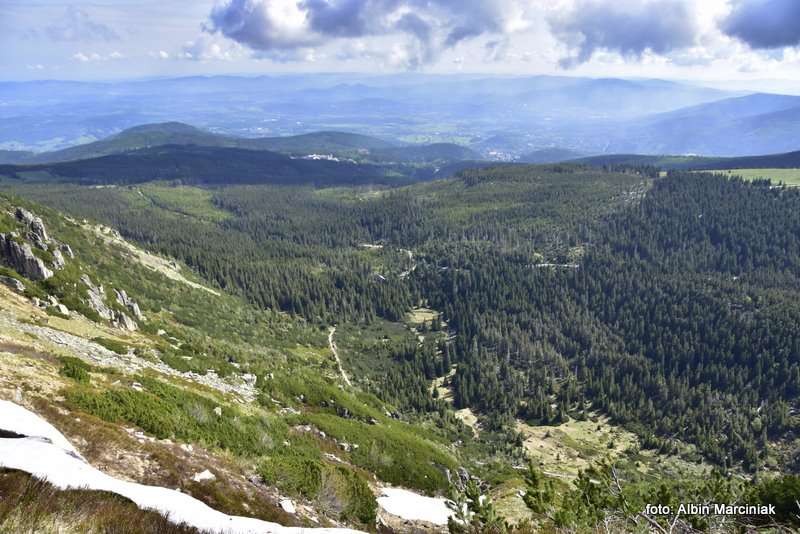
x,y
320,144
748,125
478,111
405,120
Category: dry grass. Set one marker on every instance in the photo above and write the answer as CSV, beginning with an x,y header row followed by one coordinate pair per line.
x,y
441,385
417,316
563,450
28,505
468,417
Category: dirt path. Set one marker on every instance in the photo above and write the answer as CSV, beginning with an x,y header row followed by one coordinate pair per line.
x,y
332,344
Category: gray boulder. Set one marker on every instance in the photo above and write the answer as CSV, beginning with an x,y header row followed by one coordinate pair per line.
x,y
67,250
125,322
13,283
20,257
35,224
96,296
125,300
58,260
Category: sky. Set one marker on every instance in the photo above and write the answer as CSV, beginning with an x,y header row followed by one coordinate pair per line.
x,y
713,41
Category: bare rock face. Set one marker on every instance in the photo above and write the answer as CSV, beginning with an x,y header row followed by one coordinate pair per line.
x,y
125,322
38,237
129,303
20,257
97,295
38,231
13,283
67,250
58,260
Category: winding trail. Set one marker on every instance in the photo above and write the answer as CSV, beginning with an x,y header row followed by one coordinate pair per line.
x,y
332,345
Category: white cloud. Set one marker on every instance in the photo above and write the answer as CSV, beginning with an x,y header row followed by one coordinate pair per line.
x,y
206,48
89,57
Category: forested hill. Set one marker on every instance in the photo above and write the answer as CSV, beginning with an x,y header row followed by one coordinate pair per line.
x,y
177,133
209,165
342,145
788,160
680,319
669,303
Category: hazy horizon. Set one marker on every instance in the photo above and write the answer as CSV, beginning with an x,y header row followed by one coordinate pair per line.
x,y
750,43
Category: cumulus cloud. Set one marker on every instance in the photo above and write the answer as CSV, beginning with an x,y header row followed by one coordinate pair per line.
x,y
764,24
627,27
427,27
206,48
159,54
77,25
94,56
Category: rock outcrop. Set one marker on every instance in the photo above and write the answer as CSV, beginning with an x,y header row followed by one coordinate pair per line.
x,y
38,233
16,251
129,303
96,296
13,283
97,302
58,260
125,322
19,256
67,250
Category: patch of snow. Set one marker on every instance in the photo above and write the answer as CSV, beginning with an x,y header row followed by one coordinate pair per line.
x,y
414,507
47,454
26,423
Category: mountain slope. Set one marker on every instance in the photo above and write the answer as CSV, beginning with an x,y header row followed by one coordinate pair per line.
x,y
235,405
550,155
437,152
749,125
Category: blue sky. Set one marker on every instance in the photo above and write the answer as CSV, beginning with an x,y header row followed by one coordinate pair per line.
x,y
703,40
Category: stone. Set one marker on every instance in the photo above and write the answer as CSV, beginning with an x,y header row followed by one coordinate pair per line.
x,y
58,260
125,300
63,310
218,411
288,506
20,257
125,322
67,250
204,476
250,379
34,223
96,299
13,283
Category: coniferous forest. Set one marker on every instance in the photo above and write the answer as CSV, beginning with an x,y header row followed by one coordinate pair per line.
x,y
667,303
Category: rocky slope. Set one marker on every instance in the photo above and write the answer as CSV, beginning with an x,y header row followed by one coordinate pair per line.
x,y
122,363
